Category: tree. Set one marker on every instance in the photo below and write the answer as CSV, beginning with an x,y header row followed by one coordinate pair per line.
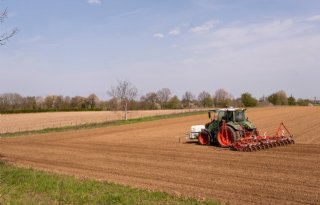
x,y
303,102
78,102
278,98
67,102
58,102
30,103
150,101
11,101
248,100
291,100
53,102
40,102
92,101
4,37
112,104
187,99
124,92
222,98
205,99
174,103
236,103
163,96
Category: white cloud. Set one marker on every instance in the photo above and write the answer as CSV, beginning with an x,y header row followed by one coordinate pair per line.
x,y
314,18
275,28
287,47
207,26
158,35
174,46
97,2
174,32
236,36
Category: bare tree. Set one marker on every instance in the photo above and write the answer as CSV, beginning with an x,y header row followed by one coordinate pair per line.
x,y
11,101
163,96
112,104
78,102
187,99
124,92
205,99
150,100
4,37
222,98
93,101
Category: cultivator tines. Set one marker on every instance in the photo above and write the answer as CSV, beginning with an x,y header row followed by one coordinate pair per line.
x,y
251,143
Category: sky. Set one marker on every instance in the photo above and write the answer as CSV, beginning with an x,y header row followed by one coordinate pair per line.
x,y
79,47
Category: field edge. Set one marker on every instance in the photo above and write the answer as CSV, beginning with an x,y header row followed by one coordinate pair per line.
x,y
31,186
100,124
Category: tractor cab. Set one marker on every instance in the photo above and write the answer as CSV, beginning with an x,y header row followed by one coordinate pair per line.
x,y
227,114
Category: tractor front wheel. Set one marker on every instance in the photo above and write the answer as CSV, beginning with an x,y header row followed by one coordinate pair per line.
x,y
204,138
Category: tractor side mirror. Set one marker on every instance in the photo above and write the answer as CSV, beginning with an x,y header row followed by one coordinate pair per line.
x,y
209,115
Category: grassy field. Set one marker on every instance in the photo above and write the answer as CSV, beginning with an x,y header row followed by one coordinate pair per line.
x,y
28,186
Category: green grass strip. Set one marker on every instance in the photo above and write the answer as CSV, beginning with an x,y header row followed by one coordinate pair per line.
x,y
101,124
28,186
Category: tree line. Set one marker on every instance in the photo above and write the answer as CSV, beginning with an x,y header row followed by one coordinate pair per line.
x,y
124,96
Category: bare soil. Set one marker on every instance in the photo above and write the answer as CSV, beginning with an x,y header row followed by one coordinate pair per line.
x,y
36,121
149,155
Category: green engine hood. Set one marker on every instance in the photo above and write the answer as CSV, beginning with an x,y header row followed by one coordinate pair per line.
x,y
248,125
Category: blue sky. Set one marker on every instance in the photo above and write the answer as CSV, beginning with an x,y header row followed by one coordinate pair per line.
x,y
78,47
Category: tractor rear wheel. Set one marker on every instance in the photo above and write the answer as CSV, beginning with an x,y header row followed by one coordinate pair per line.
x,y
204,138
226,138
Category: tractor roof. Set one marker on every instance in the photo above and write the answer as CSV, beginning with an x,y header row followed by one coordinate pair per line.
x,y
228,109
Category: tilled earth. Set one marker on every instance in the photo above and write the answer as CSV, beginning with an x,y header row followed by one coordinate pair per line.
x,y
154,155
10,123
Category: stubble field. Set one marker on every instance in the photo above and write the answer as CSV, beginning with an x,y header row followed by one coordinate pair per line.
x,y
149,155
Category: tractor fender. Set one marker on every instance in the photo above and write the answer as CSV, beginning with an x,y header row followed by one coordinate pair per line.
x,y
208,133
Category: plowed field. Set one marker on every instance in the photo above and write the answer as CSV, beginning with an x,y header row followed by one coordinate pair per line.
x,y
149,155
36,121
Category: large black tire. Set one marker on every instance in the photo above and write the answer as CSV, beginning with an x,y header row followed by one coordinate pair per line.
x,y
233,133
238,135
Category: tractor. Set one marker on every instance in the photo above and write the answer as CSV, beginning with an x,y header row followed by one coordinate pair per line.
x,y
229,127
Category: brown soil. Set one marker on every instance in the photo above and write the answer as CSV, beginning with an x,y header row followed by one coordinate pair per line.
x,y
35,121
149,155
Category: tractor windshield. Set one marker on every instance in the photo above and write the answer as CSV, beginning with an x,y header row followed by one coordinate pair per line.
x,y
220,115
240,115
